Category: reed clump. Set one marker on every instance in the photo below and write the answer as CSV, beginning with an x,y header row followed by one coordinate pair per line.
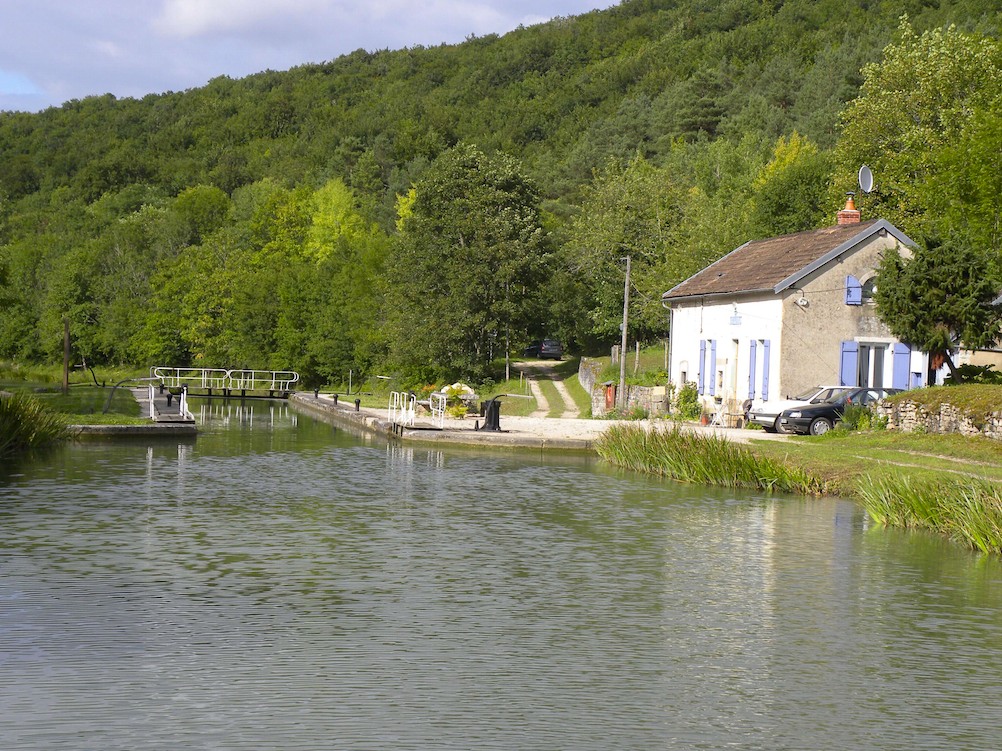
x,y
704,459
967,510
25,424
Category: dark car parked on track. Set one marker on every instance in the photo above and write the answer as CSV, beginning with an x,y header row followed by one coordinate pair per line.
x,y
817,419
551,348
546,348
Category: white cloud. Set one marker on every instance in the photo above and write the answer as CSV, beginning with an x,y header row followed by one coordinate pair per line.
x,y
108,49
191,18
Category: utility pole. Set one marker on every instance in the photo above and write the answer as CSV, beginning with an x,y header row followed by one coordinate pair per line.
x,y
622,348
66,355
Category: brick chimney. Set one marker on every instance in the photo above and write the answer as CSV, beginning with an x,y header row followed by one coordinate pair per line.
x,y
849,215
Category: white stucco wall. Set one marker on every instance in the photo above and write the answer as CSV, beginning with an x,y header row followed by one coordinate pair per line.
x,y
733,327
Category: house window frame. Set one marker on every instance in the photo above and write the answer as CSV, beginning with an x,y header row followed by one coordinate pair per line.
x,y
868,290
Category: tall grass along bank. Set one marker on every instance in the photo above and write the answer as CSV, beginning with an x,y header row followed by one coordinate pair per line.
x,y
704,459
968,510
25,424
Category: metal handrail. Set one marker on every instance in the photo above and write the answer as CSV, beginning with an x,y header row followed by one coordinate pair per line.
x,y
219,378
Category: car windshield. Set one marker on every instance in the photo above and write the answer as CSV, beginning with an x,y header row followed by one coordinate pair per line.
x,y
841,397
806,396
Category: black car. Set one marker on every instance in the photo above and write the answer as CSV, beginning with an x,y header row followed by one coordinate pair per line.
x,y
551,348
817,419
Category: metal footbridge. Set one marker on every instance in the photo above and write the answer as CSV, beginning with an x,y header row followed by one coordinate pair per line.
x,y
225,382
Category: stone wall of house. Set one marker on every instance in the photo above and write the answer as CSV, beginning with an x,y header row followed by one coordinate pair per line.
x,y
910,417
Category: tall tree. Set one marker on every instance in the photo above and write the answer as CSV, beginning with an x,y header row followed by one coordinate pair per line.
x,y
940,299
466,268
791,191
915,106
634,211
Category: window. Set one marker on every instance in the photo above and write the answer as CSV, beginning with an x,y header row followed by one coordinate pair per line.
x,y
869,289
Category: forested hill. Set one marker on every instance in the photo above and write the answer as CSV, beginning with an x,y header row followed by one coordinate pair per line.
x,y
562,96
706,89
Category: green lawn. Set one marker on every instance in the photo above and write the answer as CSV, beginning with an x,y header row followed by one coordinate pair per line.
x,y
85,403
839,458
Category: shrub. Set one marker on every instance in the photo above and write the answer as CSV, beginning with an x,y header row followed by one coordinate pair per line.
x,y
856,417
974,374
687,403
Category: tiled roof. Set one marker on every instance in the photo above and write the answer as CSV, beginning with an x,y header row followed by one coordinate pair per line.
x,y
765,264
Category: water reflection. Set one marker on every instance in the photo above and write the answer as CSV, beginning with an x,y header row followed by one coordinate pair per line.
x,y
280,584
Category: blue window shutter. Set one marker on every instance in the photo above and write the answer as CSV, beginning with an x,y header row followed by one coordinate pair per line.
x,y
765,369
702,362
849,367
751,369
853,291
902,361
713,367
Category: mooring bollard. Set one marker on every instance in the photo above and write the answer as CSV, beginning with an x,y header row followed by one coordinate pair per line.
x,y
358,404
169,397
316,393
335,400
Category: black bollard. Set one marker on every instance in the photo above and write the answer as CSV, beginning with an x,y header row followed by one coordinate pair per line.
x,y
316,393
335,400
492,415
169,397
358,404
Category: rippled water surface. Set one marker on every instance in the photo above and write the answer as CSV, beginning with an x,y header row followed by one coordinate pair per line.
x,y
282,584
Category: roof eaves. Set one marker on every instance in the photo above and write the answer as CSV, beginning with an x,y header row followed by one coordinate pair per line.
x,y
831,255
715,295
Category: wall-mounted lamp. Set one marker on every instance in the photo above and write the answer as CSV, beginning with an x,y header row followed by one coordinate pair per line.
x,y
802,302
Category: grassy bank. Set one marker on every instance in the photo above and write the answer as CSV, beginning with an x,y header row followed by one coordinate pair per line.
x,y
86,402
950,484
968,510
703,459
25,424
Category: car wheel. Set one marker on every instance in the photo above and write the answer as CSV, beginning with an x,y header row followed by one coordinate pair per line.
x,y
820,426
777,427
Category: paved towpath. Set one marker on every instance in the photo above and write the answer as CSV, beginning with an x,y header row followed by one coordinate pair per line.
x,y
525,432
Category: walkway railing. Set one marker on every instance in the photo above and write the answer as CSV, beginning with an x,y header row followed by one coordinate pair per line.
x,y
218,378
182,404
402,408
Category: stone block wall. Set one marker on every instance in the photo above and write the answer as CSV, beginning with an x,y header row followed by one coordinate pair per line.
x,y
653,399
910,417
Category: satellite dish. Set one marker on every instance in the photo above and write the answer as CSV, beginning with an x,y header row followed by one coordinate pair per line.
x,y
865,179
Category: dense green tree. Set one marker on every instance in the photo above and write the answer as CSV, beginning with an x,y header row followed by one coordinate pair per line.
x,y
217,223
466,267
636,211
966,187
941,298
791,191
914,107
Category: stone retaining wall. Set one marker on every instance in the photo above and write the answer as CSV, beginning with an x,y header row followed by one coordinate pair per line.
x,y
910,417
652,399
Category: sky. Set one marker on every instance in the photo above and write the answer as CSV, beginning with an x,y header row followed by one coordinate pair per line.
x,y
52,51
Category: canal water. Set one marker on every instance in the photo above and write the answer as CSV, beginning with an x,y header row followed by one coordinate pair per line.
x,y
280,583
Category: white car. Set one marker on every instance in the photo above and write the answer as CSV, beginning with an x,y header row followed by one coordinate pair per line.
x,y
767,413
